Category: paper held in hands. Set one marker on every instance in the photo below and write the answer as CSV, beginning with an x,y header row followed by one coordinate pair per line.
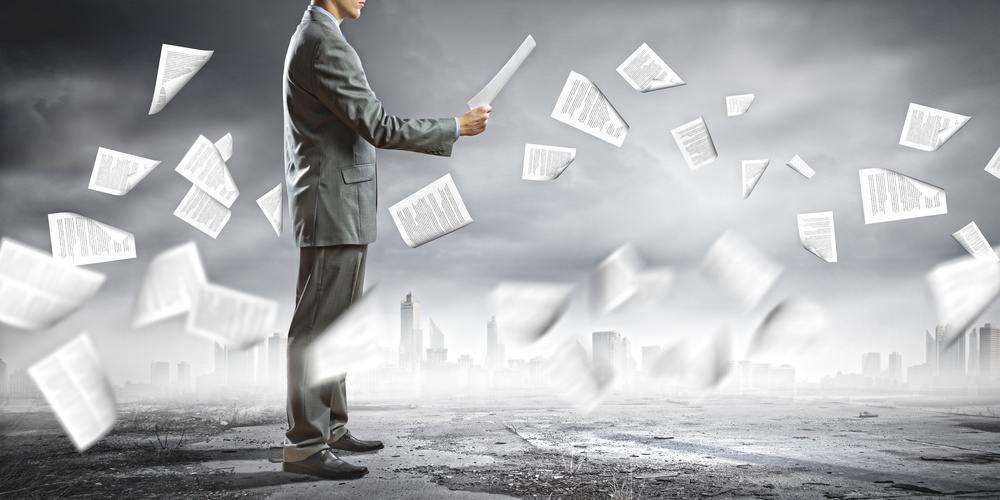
x,y
645,71
430,213
498,82
927,129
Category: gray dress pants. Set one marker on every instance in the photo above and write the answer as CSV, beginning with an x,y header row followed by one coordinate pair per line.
x,y
330,280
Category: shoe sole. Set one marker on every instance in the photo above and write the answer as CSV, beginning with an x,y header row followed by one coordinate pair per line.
x,y
295,469
365,450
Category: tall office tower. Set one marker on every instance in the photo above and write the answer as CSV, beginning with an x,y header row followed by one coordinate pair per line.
x,y
931,342
184,376
3,380
411,337
989,355
437,357
240,367
220,362
871,365
895,368
159,374
496,356
625,363
437,337
951,359
277,353
608,351
973,341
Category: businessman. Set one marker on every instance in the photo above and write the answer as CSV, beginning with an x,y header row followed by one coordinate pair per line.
x,y
333,123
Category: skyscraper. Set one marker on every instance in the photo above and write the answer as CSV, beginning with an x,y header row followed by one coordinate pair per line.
x,y
184,376
495,355
411,337
989,355
220,363
895,368
871,365
437,337
240,367
951,359
277,352
973,340
3,380
159,374
610,355
931,343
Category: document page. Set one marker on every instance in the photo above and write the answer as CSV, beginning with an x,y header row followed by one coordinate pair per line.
x,y
799,165
270,204
204,167
528,310
817,235
230,317
430,213
225,147
789,330
963,288
117,173
498,82
695,143
177,66
581,105
545,163
73,381
927,129
350,344
615,280
973,241
36,291
891,196
993,167
574,378
738,104
740,269
78,240
752,170
203,212
170,285
645,71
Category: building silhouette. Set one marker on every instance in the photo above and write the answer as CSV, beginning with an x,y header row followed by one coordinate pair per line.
x,y
3,380
989,356
277,354
610,355
895,369
871,365
495,356
184,380
159,374
411,337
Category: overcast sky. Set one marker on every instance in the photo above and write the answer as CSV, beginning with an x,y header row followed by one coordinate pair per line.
x,y
832,81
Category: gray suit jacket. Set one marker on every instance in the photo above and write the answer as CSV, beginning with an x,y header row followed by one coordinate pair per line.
x,y
333,123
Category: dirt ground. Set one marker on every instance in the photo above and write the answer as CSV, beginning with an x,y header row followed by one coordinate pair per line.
x,y
629,448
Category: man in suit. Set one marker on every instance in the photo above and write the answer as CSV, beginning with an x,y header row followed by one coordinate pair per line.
x,y
333,123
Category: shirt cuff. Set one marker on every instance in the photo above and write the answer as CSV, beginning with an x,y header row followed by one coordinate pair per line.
x,y
458,128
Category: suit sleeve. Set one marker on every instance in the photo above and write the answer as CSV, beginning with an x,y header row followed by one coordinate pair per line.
x,y
341,85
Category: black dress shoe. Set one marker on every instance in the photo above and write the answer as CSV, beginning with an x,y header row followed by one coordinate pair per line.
x,y
326,465
348,443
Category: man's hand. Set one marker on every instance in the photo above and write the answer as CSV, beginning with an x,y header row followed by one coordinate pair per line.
x,y
473,122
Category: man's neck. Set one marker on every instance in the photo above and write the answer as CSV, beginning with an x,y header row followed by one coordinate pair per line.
x,y
329,7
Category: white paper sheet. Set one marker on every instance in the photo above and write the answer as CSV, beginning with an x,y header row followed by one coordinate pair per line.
x,y
695,143
581,105
792,327
890,196
36,291
528,310
204,167
993,167
738,104
430,213
973,241
73,381
177,66
203,212
78,240
645,71
615,280
963,288
225,146
171,283
817,234
270,204
740,269
230,317
799,165
752,170
575,381
927,129
117,173
350,344
498,82
545,163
